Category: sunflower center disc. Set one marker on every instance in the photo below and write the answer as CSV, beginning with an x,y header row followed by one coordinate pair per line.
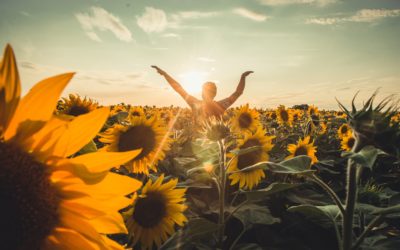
x,y
137,137
301,151
344,130
135,113
150,210
315,120
350,142
245,120
284,115
251,158
29,203
78,110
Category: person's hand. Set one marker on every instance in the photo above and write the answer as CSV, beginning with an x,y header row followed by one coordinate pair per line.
x,y
245,74
159,71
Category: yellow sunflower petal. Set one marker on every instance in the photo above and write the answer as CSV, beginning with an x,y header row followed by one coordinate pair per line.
x,y
80,131
37,106
10,87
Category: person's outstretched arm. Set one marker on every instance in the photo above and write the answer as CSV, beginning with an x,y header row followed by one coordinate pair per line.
x,y
176,86
227,102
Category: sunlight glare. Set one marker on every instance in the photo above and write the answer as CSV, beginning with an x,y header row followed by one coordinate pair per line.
x,y
192,81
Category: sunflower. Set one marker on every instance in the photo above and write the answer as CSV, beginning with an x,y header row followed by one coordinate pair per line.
x,y
49,201
215,129
155,212
245,119
297,115
312,110
141,133
118,108
251,178
136,111
285,116
347,142
344,130
316,126
74,105
303,147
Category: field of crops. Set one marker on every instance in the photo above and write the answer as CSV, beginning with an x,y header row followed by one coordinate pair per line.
x,y
78,175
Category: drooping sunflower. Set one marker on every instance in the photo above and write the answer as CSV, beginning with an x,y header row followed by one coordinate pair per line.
x,y
49,201
316,125
74,105
347,142
344,130
245,119
141,133
251,178
285,116
303,147
155,212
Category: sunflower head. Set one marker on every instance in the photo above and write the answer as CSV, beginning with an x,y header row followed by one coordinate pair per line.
x,y
373,126
74,105
136,111
347,142
261,144
48,199
312,110
245,119
216,130
303,147
285,116
149,135
155,213
344,130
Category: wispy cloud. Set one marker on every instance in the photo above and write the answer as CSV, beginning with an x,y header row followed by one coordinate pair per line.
x,y
102,20
258,17
364,15
24,13
290,2
152,20
171,35
206,59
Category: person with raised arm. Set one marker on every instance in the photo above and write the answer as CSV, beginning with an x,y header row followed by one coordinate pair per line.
x,y
207,107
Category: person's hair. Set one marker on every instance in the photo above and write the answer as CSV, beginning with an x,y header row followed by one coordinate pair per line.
x,y
210,88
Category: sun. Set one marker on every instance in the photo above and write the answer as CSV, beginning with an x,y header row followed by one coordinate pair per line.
x,y
192,81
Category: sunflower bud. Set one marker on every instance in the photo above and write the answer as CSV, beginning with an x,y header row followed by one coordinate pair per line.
x,y
373,125
216,130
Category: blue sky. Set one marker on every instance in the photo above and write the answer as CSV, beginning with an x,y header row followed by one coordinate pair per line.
x,y
302,51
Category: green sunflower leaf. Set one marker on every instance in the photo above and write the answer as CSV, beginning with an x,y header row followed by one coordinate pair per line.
x,y
324,216
365,157
272,189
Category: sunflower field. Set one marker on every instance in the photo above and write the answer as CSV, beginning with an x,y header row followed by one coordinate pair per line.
x,y
79,175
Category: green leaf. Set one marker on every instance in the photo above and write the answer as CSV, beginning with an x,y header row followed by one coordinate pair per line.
x,y
324,216
195,230
251,214
248,246
392,211
299,165
88,148
272,189
365,157
239,152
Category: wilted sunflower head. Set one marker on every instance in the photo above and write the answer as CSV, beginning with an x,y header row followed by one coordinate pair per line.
x,y
74,105
216,129
373,126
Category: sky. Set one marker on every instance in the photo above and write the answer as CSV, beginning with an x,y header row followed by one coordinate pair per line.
x,y
301,51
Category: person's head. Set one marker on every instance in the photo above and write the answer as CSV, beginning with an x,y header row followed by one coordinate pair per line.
x,y
209,91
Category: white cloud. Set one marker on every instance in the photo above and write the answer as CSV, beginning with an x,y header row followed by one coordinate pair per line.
x,y
258,17
370,15
205,59
171,35
364,15
102,20
289,2
152,20
195,14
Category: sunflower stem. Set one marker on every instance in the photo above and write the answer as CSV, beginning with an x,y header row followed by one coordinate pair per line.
x,y
376,221
331,193
351,198
222,180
